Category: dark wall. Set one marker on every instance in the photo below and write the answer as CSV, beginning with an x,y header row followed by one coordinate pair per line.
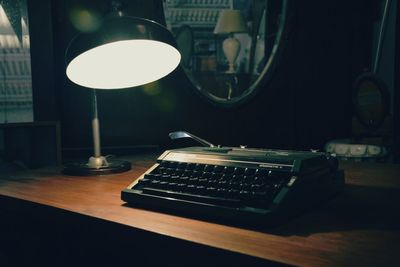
x,y
42,60
331,48
396,101
306,103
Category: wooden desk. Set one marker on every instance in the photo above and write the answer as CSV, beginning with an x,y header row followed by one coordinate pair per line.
x,y
79,219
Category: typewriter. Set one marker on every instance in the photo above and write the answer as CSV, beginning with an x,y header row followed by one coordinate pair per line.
x,y
235,184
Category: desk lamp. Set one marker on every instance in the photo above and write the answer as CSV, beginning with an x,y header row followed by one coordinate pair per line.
x,y
123,52
229,22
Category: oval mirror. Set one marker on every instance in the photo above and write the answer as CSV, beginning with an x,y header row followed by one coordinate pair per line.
x,y
370,100
229,47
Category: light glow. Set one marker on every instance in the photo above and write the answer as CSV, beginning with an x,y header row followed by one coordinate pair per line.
x,y
123,64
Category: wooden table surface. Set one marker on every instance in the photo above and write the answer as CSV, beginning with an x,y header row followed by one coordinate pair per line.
x,y
360,227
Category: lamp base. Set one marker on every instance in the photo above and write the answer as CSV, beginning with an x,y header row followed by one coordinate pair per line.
x,y
83,168
231,48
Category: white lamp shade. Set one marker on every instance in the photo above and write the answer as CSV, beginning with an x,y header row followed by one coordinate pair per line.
x,y
230,21
123,52
123,64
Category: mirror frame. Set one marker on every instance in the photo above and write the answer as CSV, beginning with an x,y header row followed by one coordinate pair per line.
x,y
265,75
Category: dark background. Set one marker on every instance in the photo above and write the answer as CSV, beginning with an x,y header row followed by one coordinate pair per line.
x,y
306,103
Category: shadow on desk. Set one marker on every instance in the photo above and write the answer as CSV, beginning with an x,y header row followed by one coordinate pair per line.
x,y
356,208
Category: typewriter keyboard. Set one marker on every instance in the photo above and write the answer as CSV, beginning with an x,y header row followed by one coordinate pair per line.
x,y
213,184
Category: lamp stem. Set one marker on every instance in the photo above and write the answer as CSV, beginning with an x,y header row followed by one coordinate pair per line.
x,y
95,126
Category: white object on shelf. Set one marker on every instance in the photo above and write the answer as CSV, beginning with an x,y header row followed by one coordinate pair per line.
x,y
344,149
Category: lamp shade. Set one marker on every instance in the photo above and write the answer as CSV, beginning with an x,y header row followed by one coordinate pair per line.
x,y
123,52
230,21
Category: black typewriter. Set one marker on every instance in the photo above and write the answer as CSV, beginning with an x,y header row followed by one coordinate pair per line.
x,y
236,184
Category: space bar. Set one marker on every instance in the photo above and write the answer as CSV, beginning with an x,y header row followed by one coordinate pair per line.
x,y
192,197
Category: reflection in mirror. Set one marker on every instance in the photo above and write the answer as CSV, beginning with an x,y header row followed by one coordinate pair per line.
x,y
227,46
15,63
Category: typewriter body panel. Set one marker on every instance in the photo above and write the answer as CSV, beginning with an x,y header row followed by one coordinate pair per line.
x,y
236,184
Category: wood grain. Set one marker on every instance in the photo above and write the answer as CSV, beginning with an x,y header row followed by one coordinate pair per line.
x,y
359,227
